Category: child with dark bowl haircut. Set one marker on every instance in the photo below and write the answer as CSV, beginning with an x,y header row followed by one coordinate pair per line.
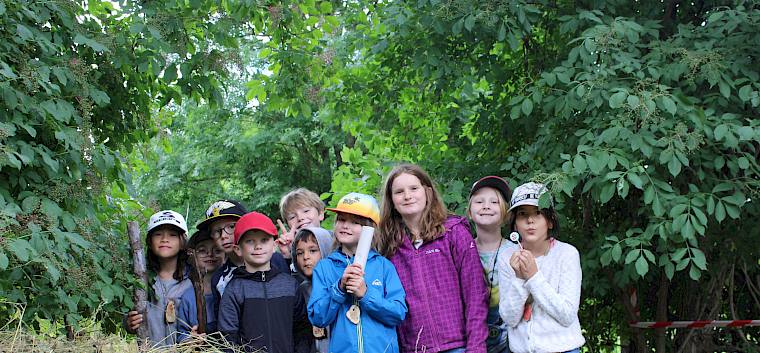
x,y
260,309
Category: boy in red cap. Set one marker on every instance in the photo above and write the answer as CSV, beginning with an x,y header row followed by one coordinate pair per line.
x,y
260,308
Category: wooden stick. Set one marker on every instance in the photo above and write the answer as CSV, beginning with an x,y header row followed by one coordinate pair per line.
x,y
141,272
196,277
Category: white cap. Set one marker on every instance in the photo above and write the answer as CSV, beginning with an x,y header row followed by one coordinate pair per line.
x,y
167,217
526,194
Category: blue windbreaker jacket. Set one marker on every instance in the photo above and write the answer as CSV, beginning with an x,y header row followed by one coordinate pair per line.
x,y
383,307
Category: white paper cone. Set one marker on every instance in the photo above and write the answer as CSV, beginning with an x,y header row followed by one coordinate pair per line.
x,y
365,243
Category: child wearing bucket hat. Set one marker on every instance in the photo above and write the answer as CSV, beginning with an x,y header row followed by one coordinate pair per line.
x,y
487,208
540,280
361,306
166,238
260,309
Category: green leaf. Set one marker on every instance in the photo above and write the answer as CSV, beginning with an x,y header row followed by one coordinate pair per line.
x,y
694,271
720,212
617,251
3,261
24,32
50,208
99,97
678,254
743,162
617,99
469,22
642,266
53,271
669,105
632,255
725,89
20,248
635,180
669,270
325,7
527,106
699,258
745,92
81,39
746,133
633,101
682,264
720,131
579,164
674,166
608,190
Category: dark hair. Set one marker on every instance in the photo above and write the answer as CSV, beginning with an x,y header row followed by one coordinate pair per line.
x,y
549,213
152,259
307,236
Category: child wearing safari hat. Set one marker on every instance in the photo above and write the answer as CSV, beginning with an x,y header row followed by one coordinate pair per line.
x,y
361,306
540,280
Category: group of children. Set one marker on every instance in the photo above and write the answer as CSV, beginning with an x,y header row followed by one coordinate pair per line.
x,y
428,285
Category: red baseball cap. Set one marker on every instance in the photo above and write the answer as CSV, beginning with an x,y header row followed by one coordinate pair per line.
x,y
254,221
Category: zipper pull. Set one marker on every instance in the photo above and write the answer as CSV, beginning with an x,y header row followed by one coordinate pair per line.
x,y
264,276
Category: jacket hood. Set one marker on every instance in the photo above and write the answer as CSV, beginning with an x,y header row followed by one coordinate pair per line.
x,y
324,240
259,276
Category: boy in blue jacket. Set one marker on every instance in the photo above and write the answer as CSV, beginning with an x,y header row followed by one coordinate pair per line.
x,y
260,309
362,306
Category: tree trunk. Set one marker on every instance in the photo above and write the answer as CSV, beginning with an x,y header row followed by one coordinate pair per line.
x,y
141,272
662,312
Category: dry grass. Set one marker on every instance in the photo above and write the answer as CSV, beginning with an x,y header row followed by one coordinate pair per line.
x,y
16,337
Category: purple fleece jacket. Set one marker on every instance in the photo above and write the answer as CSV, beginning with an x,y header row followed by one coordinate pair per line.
x,y
445,291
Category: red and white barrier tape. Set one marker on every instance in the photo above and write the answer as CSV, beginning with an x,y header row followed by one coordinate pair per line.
x,y
695,324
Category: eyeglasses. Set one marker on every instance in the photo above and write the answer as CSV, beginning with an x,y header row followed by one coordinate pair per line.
x,y
209,252
229,229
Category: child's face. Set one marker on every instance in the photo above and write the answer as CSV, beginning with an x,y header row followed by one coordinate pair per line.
x,y
304,216
222,231
307,256
256,249
165,241
208,256
348,229
531,224
485,207
408,195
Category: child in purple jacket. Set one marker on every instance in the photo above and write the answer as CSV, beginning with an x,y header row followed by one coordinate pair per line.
x,y
438,264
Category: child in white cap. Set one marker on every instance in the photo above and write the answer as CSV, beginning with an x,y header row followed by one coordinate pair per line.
x,y
166,241
540,281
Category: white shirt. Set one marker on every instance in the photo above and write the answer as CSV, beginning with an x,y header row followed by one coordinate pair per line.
x,y
556,291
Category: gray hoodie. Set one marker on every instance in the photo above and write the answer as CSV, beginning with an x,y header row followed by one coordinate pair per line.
x,y
325,241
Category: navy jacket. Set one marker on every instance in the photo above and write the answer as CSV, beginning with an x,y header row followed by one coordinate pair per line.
x,y
261,310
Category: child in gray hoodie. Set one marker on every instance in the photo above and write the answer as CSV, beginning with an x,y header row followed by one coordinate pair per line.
x,y
309,246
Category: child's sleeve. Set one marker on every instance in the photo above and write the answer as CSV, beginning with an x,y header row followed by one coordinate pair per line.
x,y
300,318
326,296
473,285
229,314
561,303
187,314
385,303
512,292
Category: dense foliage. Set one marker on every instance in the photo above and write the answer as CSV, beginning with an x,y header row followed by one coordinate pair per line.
x,y
642,119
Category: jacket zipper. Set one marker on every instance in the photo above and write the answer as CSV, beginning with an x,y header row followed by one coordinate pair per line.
x,y
359,338
266,300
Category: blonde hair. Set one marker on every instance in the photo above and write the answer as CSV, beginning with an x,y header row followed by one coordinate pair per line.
x,y
391,228
502,206
298,198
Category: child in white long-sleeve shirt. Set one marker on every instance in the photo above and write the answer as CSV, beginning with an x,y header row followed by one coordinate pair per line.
x,y
540,283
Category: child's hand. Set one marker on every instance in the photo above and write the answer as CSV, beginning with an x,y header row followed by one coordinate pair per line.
x,y
528,264
352,272
194,332
357,286
285,239
134,319
516,265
